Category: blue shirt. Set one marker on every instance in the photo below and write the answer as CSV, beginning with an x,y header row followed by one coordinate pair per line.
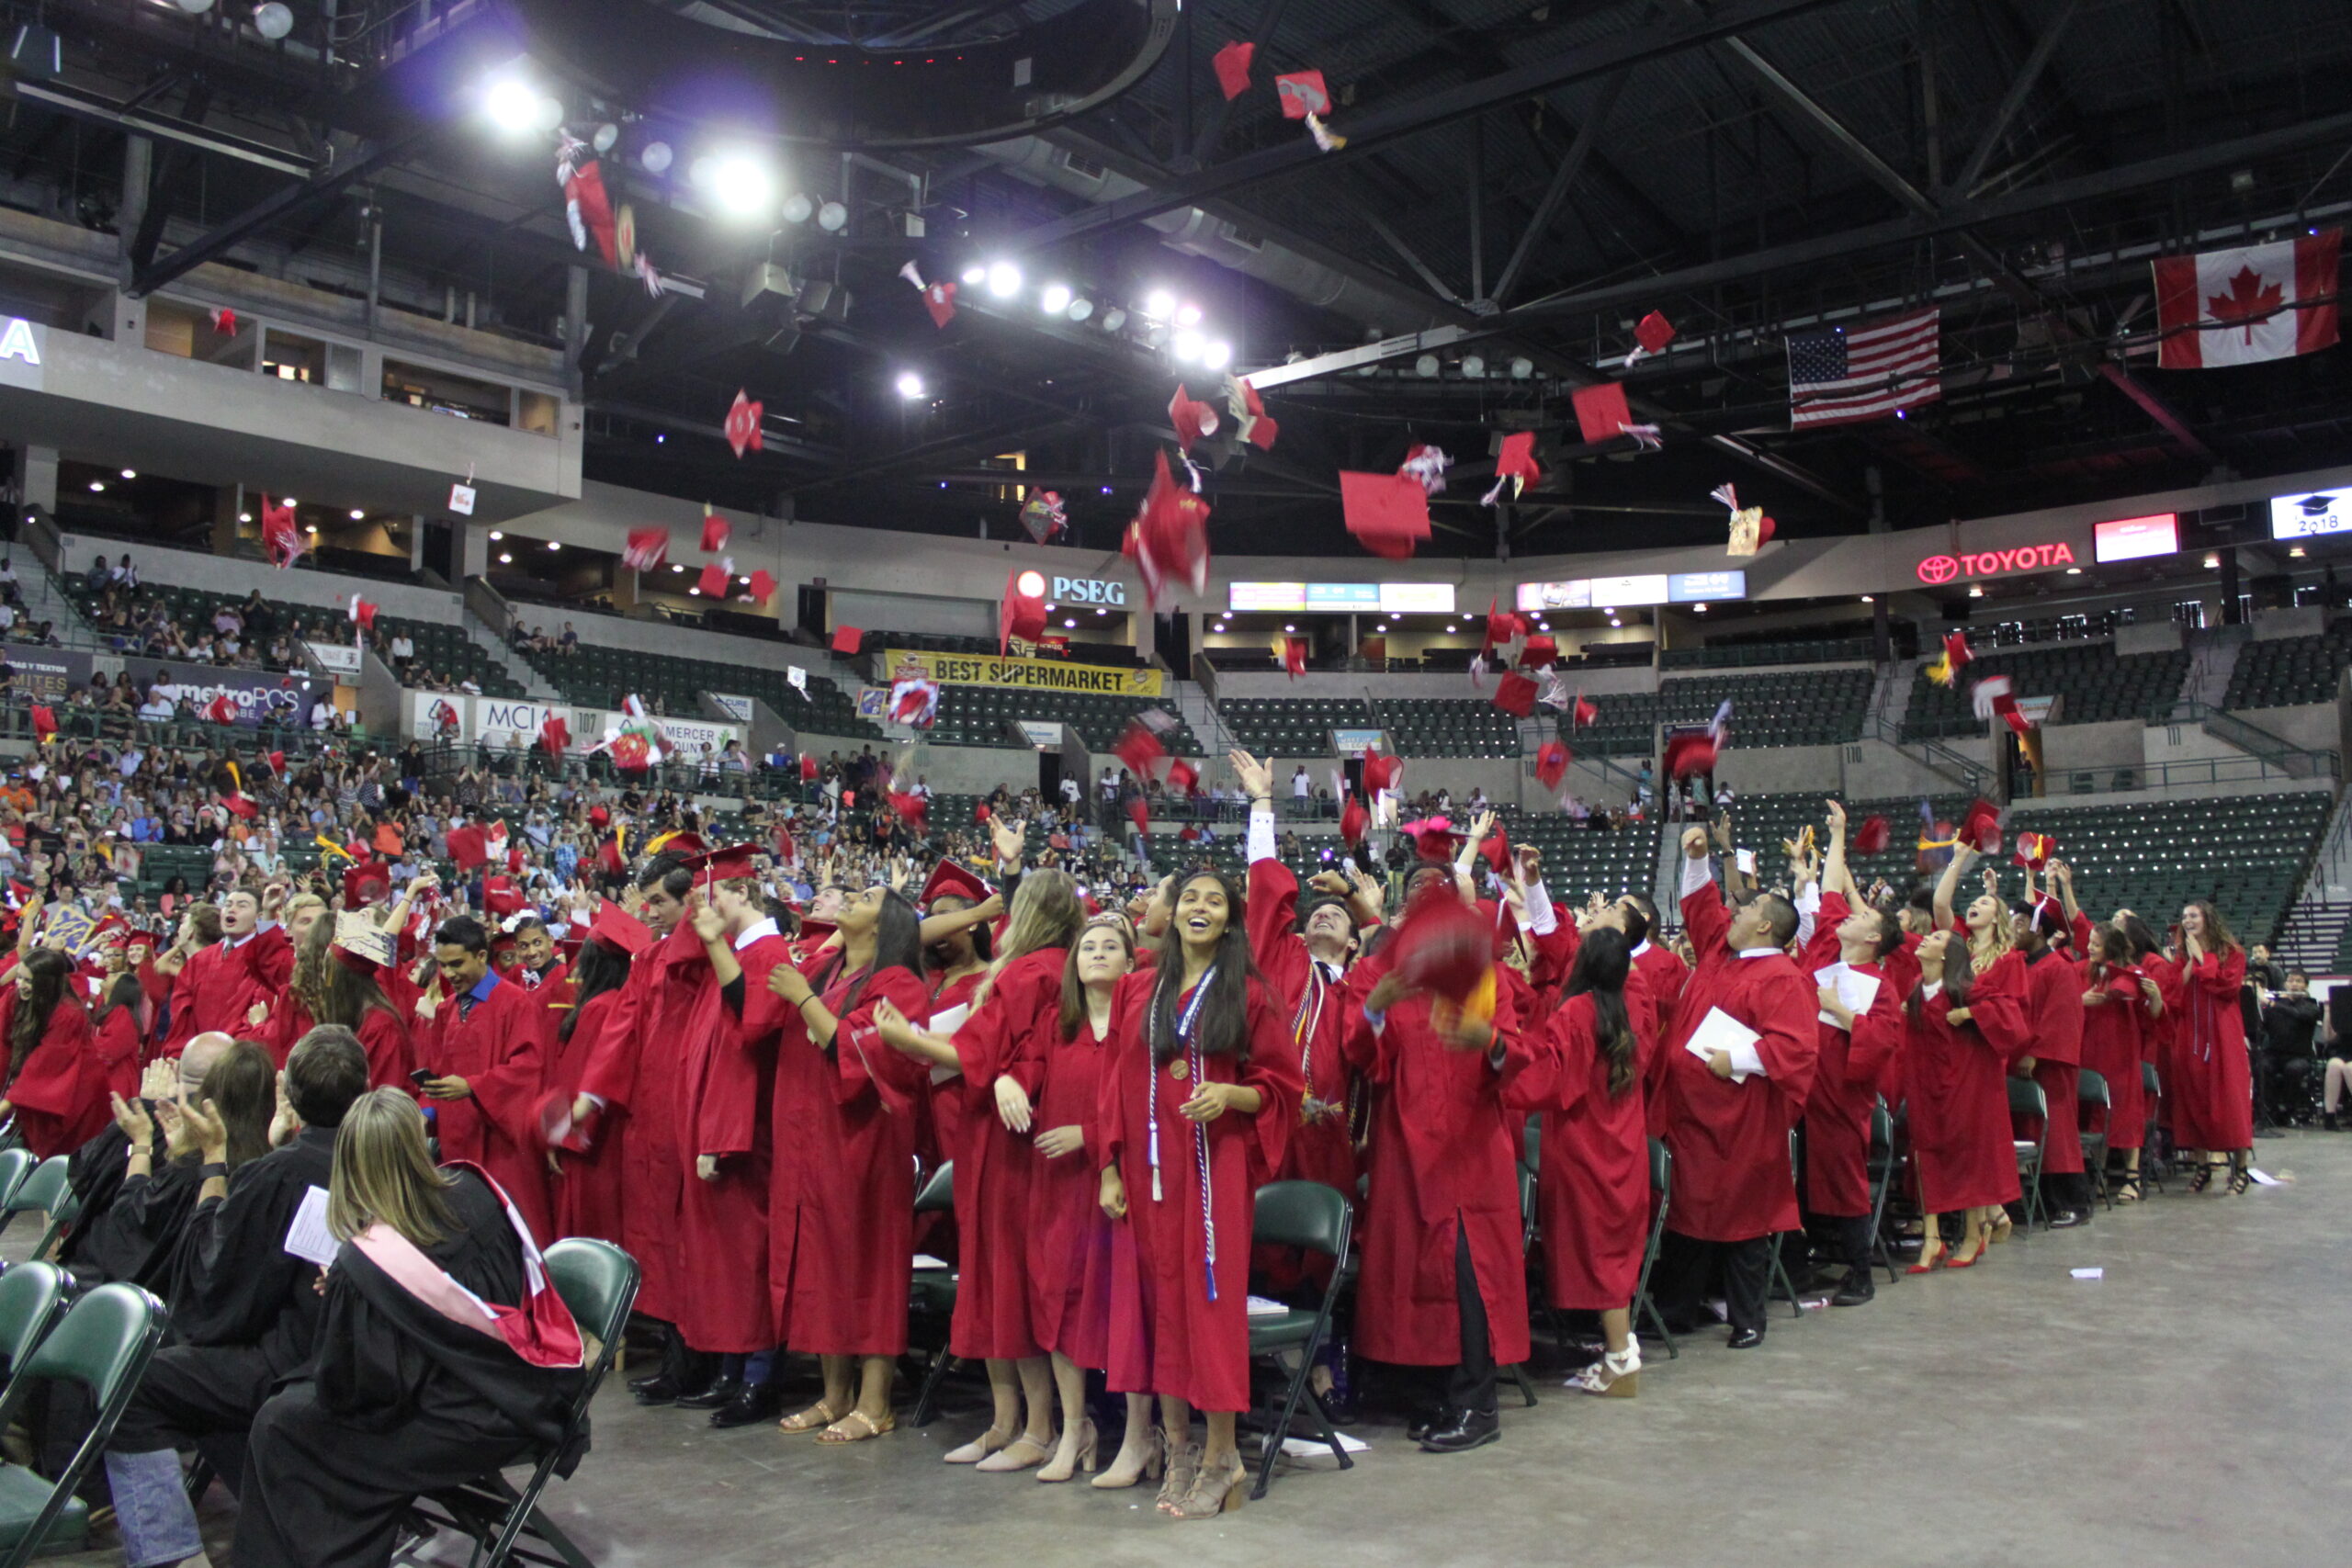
x,y
480,993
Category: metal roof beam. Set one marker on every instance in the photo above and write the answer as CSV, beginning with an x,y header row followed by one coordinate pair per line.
x,y
2021,87
1548,209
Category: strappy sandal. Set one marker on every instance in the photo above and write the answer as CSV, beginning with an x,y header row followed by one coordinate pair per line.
x,y
818,1415
2131,1189
866,1429
2201,1177
1214,1492
2241,1178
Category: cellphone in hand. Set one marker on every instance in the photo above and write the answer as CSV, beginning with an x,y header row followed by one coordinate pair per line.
x,y
421,1076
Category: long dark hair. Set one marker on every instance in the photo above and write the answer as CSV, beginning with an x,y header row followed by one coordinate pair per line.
x,y
345,995
2217,930
2114,952
598,969
243,1086
934,956
121,991
1602,960
2140,935
897,944
51,970
1959,978
1224,1021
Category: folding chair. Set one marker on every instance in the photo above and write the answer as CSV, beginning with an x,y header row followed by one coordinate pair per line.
x,y
2027,1100
104,1343
44,1189
1779,1274
1317,1218
935,1290
32,1296
2090,1091
598,1281
16,1163
1527,1243
1882,1174
1662,1190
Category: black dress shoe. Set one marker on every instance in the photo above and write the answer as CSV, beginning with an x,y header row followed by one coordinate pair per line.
x,y
1422,1423
2067,1219
749,1407
659,1388
1458,1431
719,1392
1855,1289
1746,1339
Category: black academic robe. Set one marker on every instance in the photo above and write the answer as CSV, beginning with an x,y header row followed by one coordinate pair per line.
x,y
404,1402
129,1227
234,1282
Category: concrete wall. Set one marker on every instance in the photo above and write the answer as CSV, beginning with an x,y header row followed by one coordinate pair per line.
x,y
2115,745
2303,620
314,589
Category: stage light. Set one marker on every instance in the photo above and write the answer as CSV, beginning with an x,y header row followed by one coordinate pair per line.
x,y
832,217
1187,346
910,385
1080,308
1188,314
1114,319
289,501
1101,611
273,20
1522,369
1474,368
797,208
245,516
606,138
974,276
357,516
555,544
99,485
1426,367
694,592
196,7
1032,584
739,183
131,473
657,157
510,104
1054,299
1159,304
1869,598
1004,279
1217,356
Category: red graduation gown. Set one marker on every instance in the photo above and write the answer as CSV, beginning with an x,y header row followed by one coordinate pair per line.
x,y
1069,1235
589,1191
725,1084
841,1201
1846,1081
938,1129
1663,972
1317,1010
2054,996
219,984
288,1020
1730,1141
1959,1118
2211,1088
1444,1161
384,1034
1594,1189
1006,1036
500,1048
1166,1337
2111,1046
60,1094
2165,1030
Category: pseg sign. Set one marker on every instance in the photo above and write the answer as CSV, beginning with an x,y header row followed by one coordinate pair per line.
x,y
1089,591
1937,569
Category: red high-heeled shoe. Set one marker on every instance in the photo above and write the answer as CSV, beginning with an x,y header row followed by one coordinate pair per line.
x,y
1927,1265
1983,1240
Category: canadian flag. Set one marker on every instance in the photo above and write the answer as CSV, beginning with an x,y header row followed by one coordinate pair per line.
x,y
2239,307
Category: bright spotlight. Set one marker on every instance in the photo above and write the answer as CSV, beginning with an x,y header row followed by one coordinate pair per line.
x,y
555,544
1217,354
1054,299
974,276
1188,314
496,534
1522,369
1032,584
504,558
740,184
510,104
1425,366
1114,319
832,218
1159,304
273,20
1187,346
1004,279
657,157
1080,308
910,385
357,516
131,473
1473,368
797,208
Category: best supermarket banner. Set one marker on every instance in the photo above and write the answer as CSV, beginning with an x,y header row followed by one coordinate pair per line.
x,y
1035,674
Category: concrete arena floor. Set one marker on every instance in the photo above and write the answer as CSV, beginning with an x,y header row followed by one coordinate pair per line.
x,y
2173,1411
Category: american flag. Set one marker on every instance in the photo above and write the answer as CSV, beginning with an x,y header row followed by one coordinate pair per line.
x,y
1845,376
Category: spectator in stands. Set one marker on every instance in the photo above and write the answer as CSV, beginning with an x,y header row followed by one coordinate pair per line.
x,y
125,575
569,644
101,573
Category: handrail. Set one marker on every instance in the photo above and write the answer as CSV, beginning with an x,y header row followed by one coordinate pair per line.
x,y
2251,738
2140,777
1965,772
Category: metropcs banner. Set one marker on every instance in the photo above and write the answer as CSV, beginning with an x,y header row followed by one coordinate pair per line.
x,y
1036,674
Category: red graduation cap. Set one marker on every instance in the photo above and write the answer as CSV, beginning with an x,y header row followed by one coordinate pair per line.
x,y
1652,334
224,322
685,846
1873,835
1170,537
1434,837
1585,712
466,847
647,548
1018,615
1231,64
1495,850
1515,695
1183,777
1980,829
1138,748
1249,411
280,533
716,530
45,721
616,928
846,640
1551,763
1502,627
1690,753
1294,651
1139,813
1601,413
238,802
631,753
555,734
2034,849
1514,466
1302,94
979,811
727,862
609,859
1957,653
763,587
363,613
222,709
1379,772
1353,821
949,878
743,435
809,767
1193,419
1539,652
500,895
2014,717
712,580
912,809
366,883
1388,513
278,763
1442,945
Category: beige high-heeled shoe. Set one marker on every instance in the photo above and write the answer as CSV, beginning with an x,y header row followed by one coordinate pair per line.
x,y
1183,1469
1130,1466
1084,1455
1219,1491
979,1448
1024,1453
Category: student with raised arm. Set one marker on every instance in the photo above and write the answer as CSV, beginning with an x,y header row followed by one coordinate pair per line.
x,y
1851,939
1994,1007
1728,1113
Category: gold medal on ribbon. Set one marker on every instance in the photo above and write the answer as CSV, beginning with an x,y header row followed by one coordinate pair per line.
x,y
1180,1069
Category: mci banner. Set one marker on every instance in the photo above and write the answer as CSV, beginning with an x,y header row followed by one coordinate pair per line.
x,y
1035,674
